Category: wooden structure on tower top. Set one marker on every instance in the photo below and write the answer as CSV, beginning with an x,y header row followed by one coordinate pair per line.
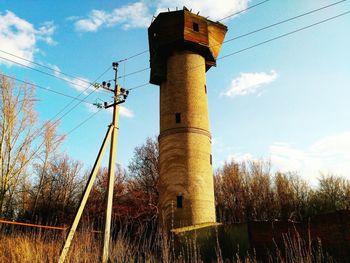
x,y
182,30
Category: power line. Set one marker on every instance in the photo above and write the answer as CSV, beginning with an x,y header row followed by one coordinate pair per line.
x,y
115,66
239,12
234,14
223,57
84,99
134,56
44,88
56,92
72,108
53,69
139,86
260,43
84,121
53,123
133,73
73,99
60,72
283,21
256,30
83,80
45,66
46,73
284,35
234,53
147,50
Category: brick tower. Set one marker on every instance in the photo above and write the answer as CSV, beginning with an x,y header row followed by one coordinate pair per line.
x,y
183,46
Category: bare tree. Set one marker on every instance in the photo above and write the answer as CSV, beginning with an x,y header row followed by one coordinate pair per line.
x,y
52,141
331,194
60,190
18,132
244,192
144,167
232,193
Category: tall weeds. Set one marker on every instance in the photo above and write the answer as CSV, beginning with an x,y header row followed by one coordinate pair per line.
x,y
86,247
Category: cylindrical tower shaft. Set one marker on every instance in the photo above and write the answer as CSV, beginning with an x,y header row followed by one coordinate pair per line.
x,y
186,177
183,46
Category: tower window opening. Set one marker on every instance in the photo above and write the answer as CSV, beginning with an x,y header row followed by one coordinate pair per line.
x,y
211,159
195,27
205,88
178,117
179,201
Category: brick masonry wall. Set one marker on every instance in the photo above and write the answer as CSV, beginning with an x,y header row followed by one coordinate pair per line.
x,y
185,147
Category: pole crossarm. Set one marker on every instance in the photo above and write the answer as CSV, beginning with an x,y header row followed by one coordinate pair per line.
x,y
114,104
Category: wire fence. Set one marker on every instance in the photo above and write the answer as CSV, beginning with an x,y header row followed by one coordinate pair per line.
x,y
62,228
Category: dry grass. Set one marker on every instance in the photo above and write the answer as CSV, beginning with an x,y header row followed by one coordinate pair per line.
x,y
86,247
25,248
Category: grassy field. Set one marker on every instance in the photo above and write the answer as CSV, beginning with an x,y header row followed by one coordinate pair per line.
x,y
85,248
45,247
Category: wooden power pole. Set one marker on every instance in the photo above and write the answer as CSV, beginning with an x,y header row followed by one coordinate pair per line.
x,y
119,97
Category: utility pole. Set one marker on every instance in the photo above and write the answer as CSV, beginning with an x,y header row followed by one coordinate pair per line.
x,y
119,96
111,168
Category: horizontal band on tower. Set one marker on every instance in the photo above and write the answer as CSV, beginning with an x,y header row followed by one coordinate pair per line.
x,y
184,130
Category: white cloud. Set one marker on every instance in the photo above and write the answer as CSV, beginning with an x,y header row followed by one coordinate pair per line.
x,y
330,154
239,157
123,111
96,19
327,155
214,9
286,158
19,37
91,108
139,14
46,31
72,18
78,83
128,16
249,83
338,144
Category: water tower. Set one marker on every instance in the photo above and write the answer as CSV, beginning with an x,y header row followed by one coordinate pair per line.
x,y
183,46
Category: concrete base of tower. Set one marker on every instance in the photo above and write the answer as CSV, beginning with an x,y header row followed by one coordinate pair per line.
x,y
185,229
212,243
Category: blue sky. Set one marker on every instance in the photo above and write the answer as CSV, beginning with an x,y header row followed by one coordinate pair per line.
x,y
286,100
